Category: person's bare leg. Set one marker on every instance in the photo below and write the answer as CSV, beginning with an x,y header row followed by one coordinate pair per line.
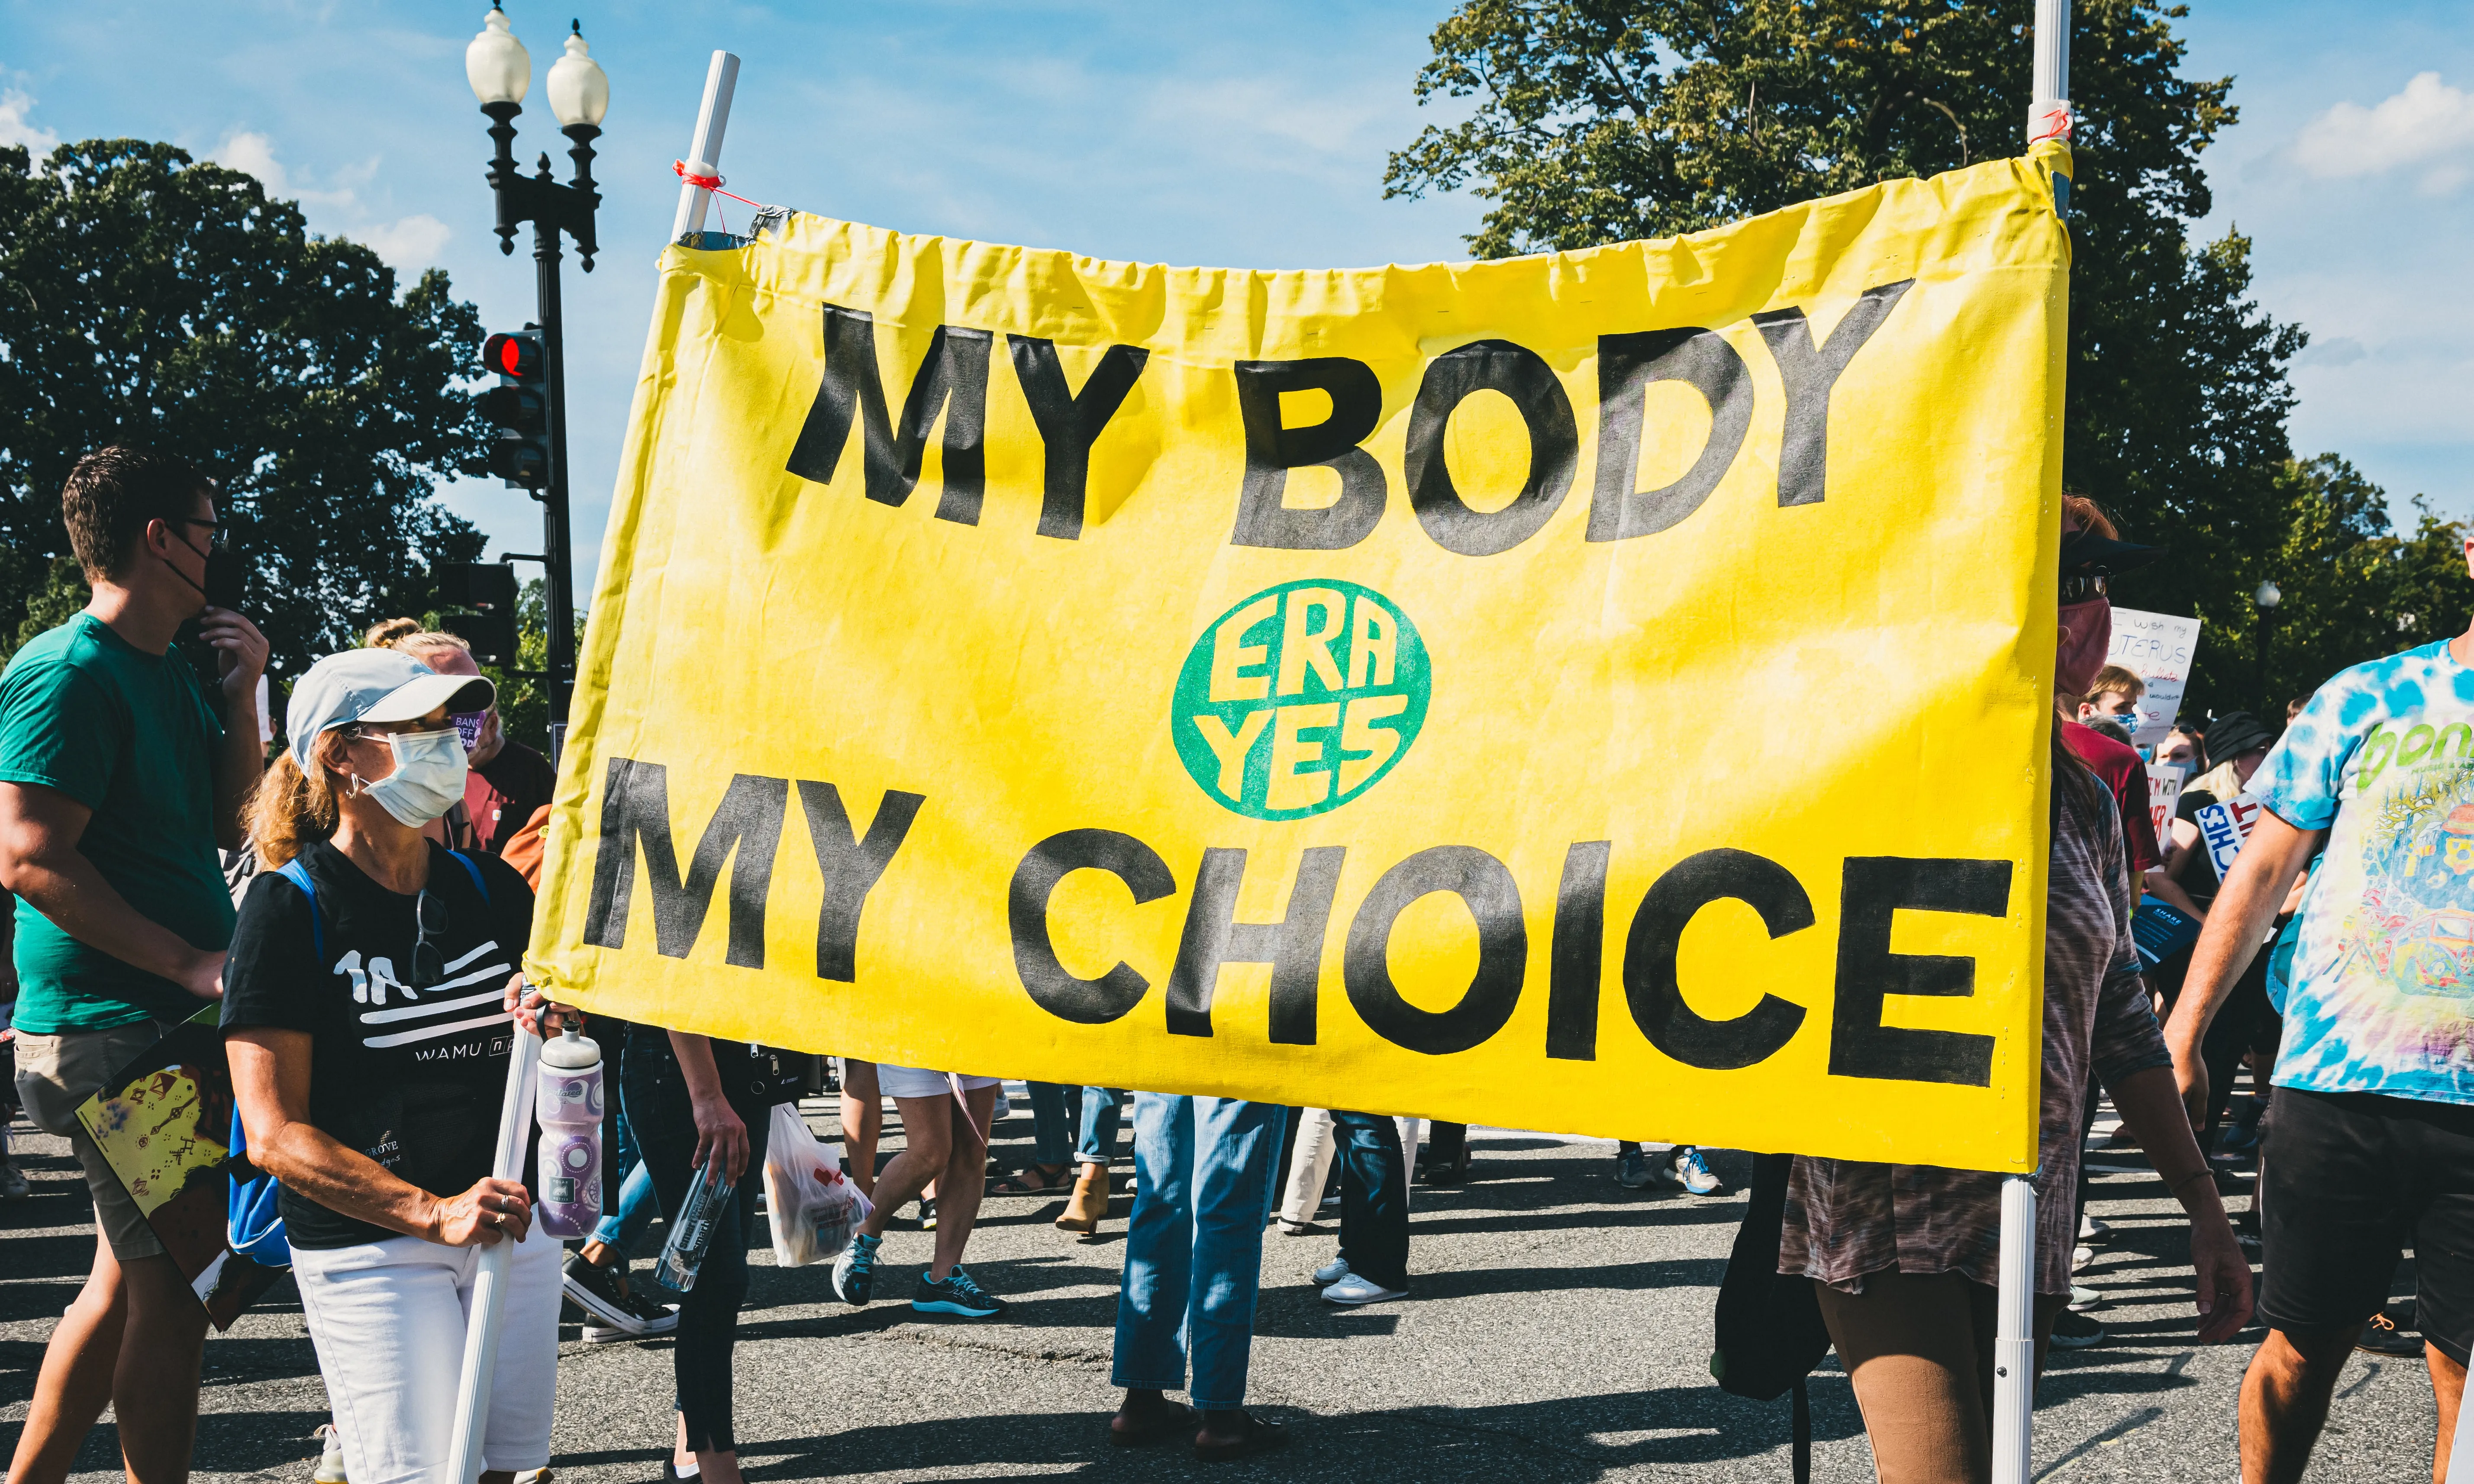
x,y
2285,1401
2447,1386
720,1468
154,1384
863,1122
961,1181
926,1144
75,1383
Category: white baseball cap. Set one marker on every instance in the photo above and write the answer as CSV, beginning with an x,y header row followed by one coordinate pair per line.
x,y
373,685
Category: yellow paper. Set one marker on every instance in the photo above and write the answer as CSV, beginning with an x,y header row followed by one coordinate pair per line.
x,y
1627,717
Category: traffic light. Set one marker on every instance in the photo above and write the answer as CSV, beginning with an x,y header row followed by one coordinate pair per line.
x,y
517,407
490,589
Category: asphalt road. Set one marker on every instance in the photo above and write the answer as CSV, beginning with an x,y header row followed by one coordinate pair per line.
x,y
1560,1330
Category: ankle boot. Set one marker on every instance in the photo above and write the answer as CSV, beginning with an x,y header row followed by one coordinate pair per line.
x,y
1088,1203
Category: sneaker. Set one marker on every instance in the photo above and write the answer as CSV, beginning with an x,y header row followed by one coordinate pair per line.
x,y
1633,1171
956,1293
927,1214
1332,1272
13,1183
655,1320
855,1270
330,1457
603,1296
2073,1330
2092,1229
2384,1336
2081,1256
1693,1172
1354,1288
2083,1297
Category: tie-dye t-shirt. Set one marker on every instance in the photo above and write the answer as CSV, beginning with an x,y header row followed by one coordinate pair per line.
x,y
2382,995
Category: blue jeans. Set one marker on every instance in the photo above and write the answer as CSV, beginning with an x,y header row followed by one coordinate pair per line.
x,y
624,1219
1373,1197
1099,1111
1050,1143
1193,1247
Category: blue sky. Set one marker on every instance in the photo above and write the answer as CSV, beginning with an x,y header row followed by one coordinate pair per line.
x,y
1241,134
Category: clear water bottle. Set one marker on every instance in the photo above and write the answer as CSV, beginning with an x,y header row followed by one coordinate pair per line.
x,y
569,1107
702,1214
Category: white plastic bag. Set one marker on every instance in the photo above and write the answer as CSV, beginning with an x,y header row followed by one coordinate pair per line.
x,y
816,1210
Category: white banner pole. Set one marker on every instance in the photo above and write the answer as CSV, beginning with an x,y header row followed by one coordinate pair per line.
x,y
2049,105
489,1297
2014,1342
704,150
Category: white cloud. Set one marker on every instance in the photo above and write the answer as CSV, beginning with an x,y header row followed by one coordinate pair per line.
x,y
14,128
407,244
2428,124
253,153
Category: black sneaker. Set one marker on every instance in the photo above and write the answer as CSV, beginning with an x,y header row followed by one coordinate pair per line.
x,y
2074,1331
855,1270
2384,1336
602,1294
656,1319
958,1293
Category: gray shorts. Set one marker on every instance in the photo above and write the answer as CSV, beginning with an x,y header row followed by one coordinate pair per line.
x,y
56,1074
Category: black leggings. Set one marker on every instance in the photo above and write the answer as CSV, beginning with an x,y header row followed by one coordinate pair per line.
x,y
664,1122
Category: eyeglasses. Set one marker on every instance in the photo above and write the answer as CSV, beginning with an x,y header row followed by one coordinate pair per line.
x,y
218,535
428,962
2082,587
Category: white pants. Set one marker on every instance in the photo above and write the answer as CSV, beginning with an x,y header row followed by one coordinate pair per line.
x,y
388,1321
919,1082
1310,1163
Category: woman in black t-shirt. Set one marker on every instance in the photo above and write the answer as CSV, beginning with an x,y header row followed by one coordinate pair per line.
x,y
369,1012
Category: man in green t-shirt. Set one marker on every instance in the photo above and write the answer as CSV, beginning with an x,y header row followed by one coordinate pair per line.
x,y
117,783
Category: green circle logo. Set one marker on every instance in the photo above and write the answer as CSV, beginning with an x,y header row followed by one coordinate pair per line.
x,y
1298,699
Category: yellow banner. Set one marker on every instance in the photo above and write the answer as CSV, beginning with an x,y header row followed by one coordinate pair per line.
x,y
1602,692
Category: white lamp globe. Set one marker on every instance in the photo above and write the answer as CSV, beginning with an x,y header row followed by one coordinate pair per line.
x,y
579,91
496,64
2268,595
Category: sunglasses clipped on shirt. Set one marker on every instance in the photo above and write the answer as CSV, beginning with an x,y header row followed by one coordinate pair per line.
x,y
2082,587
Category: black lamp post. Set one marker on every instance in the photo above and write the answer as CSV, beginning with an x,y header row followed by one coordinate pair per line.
x,y
500,71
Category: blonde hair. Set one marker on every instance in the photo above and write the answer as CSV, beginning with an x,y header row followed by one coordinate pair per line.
x,y
408,636
2114,680
292,806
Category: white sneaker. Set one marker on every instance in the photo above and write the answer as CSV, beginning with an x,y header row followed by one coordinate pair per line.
x,y
2082,1297
1332,1272
2081,1256
2092,1229
1355,1288
331,1459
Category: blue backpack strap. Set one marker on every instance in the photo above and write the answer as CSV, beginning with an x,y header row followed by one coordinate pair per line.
x,y
475,871
297,874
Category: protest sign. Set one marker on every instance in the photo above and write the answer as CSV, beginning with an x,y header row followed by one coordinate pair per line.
x,y
2223,828
1465,690
164,1123
2164,792
2158,648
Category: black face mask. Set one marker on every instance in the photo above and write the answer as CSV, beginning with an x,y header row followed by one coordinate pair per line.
x,y
222,588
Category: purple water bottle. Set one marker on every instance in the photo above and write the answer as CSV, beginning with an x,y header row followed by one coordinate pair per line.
x,y
569,1107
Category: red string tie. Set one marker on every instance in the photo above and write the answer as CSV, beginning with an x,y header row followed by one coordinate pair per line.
x,y
710,183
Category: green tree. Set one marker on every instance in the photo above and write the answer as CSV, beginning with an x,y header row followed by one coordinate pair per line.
x,y
2351,587
149,298
1596,121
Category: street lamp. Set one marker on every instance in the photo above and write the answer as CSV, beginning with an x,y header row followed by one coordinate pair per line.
x,y
2267,596
500,71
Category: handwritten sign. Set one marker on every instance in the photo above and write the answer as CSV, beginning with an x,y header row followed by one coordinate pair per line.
x,y
2163,791
2158,648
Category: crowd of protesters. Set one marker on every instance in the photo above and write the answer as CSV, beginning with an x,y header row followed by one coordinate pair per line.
x,y
389,850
